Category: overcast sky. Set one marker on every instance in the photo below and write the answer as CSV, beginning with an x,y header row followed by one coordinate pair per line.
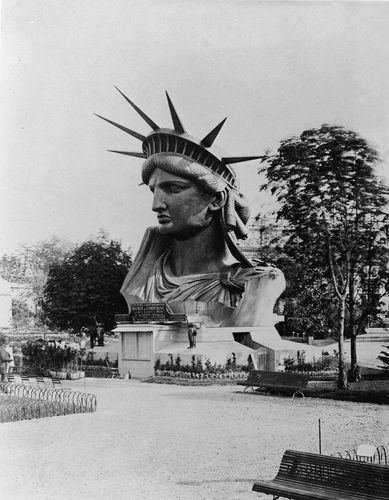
x,y
273,68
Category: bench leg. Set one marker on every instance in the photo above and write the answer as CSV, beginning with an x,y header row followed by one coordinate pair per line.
x,y
249,387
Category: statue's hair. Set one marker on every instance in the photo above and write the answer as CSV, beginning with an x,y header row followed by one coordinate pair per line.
x,y
183,167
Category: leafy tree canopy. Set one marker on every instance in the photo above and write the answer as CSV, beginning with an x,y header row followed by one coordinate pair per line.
x,y
309,303
86,284
30,266
329,195
13,268
32,262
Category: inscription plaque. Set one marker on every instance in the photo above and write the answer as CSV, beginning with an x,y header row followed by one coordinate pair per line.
x,y
149,312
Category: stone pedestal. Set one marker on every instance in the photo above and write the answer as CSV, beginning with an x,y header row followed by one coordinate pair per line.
x,y
142,344
137,348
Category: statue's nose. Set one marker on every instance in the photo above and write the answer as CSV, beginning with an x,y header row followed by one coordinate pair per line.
x,y
158,201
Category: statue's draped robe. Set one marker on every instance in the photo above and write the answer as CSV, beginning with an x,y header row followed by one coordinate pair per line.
x,y
150,279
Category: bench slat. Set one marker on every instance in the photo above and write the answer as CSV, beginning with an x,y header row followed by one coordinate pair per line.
x,y
301,492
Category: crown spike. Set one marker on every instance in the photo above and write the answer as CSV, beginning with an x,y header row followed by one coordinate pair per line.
x,y
125,129
238,159
210,138
128,153
178,127
148,120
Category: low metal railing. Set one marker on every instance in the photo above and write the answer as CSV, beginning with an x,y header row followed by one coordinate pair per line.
x,y
379,455
45,402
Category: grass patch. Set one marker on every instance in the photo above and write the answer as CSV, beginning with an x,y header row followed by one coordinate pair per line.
x,y
366,391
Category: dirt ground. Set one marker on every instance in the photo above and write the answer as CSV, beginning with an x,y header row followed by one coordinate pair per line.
x,y
152,441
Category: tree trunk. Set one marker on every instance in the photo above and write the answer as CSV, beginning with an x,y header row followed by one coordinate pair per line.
x,y
341,372
353,336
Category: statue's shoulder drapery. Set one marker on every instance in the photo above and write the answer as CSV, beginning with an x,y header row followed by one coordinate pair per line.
x,y
151,280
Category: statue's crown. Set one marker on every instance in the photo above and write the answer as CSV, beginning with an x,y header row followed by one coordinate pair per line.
x,y
177,141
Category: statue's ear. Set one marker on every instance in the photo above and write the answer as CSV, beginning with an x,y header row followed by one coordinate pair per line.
x,y
218,201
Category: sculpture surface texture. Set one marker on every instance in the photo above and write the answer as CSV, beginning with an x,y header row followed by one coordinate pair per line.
x,y
192,260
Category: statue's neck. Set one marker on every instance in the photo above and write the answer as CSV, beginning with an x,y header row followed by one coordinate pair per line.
x,y
204,252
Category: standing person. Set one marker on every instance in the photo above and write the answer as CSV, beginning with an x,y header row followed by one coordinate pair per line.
x,y
5,358
100,333
18,359
192,334
10,366
83,333
91,336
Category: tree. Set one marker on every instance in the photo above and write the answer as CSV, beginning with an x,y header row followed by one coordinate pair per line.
x,y
329,195
30,266
86,284
371,281
13,268
38,259
308,297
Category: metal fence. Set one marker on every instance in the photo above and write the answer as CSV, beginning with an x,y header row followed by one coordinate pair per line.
x,y
379,455
45,402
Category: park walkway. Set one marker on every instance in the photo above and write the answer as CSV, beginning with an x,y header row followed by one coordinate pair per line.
x,y
151,441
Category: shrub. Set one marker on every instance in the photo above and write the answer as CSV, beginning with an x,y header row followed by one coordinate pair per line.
x,y
323,364
289,363
43,356
157,364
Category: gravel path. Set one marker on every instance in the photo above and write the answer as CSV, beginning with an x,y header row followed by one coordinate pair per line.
x,y
152,441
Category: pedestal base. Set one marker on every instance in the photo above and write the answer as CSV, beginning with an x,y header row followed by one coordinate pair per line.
x,y
142,344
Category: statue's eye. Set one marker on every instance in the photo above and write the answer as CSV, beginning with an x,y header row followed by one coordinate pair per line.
x,y
173,188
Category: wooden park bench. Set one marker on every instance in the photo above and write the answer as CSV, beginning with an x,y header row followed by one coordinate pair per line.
x,y
114,373
308,476
57,383
40,381
289,381
32,381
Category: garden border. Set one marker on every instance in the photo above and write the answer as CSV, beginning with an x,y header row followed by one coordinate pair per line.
x,y
46,402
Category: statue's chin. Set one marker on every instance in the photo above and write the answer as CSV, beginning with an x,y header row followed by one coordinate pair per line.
x,y
167,229
164,229
182,234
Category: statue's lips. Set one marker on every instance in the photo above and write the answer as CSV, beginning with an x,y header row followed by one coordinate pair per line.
x,y
163,219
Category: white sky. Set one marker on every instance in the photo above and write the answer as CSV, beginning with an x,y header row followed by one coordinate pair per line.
x,y
274,68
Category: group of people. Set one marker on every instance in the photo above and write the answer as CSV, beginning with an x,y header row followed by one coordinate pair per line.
x,y
96,335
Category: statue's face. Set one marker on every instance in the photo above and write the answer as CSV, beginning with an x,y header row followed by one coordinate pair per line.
x,y
182,209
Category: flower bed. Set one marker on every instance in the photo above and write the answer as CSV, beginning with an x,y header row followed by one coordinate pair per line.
x,y
67,375
98,371
190,381
227,375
